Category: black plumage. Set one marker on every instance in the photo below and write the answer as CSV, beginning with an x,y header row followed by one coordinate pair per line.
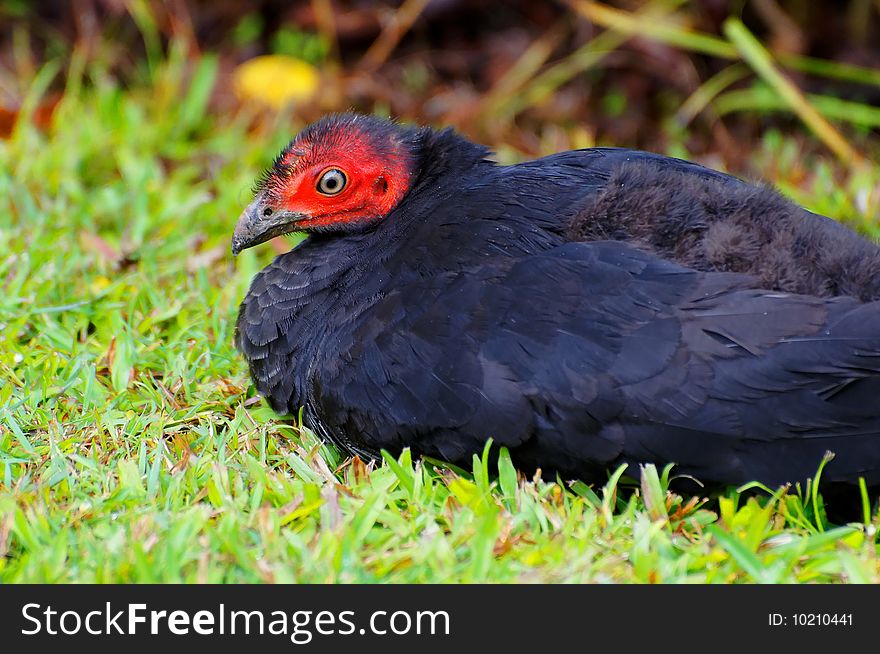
x,y
585,309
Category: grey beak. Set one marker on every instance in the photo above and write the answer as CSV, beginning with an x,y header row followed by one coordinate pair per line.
x,y
258,223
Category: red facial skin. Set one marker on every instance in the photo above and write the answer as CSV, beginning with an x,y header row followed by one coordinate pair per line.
x,y
376,181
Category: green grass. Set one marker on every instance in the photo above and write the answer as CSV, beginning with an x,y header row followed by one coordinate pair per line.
x,y
133,449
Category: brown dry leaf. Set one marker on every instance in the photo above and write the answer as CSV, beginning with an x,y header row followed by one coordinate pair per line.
x,y
110,356
359,468
186,454
42,116
5,530
94,243
276,80
205,258
7,122
331,513
228,387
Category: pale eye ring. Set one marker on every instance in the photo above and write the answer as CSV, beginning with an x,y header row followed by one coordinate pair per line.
x,y
332,182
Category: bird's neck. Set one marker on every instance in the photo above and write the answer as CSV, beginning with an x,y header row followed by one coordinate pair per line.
x,y
443,156
330,279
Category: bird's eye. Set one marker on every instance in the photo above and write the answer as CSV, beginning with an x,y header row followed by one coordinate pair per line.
x,y
332,182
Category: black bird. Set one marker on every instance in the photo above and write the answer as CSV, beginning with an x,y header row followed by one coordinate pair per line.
x,y
585,309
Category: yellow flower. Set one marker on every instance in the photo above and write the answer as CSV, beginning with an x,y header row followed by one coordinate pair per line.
x,y
276,80
99,284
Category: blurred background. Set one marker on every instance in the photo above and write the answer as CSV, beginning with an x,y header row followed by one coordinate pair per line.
x,y
133,446
695,78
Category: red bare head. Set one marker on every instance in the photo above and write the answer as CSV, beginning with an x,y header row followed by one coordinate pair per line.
x,y
341,173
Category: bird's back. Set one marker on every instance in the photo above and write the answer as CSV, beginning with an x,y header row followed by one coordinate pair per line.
x,y
700,218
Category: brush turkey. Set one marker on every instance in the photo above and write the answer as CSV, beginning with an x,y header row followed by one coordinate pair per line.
x,y
586,309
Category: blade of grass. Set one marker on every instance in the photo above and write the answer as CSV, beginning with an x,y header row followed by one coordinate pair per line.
x,y
709,90
653,493
763,98
195,100
633,24
609,494
581,60
404,475
393,31
523,69
814,491
866,502
481,468
325,19
762,63
142,14
35,93
507,478
740,553
831,69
